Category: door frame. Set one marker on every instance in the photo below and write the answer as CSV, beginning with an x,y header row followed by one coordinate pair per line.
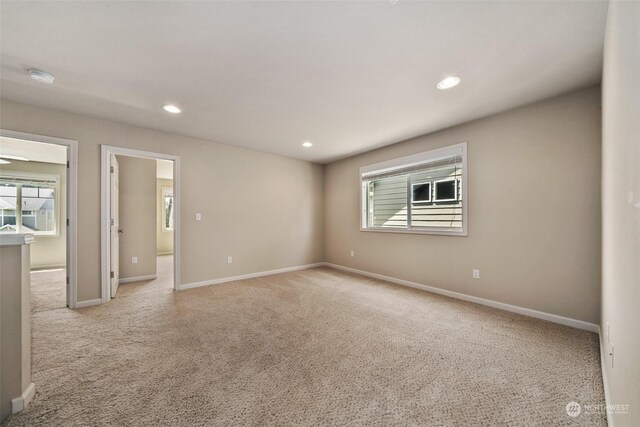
x,y
105,198
72,206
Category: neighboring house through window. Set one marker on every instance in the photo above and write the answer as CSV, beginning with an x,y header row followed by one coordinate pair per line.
x,y
36,195
423,193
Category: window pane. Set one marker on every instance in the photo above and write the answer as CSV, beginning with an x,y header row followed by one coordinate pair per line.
x,y
38,212
445,190
168,211
387,202
8,202
45,193
444,211
29,191
7,190
421,192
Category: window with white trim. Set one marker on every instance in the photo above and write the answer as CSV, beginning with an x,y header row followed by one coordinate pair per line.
x,y
29,203
423,193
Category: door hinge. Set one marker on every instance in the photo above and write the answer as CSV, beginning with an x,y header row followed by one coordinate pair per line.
x,y
111,169
67,164
112,275
112,221
67,280
67,222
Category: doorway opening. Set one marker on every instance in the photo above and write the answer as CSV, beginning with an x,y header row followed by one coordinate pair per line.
x,y
140,221
38,196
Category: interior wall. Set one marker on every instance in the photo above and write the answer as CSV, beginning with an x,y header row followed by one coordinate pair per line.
x,y
47,251
137,210
263,210
621,210
164,238
533,211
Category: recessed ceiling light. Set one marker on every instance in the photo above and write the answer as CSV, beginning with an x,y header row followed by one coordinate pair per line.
x,y
449,82
171,109
41,76
4,162
12,157
307,144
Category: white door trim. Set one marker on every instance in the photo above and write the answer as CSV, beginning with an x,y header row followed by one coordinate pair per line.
x,y
106,152
72,205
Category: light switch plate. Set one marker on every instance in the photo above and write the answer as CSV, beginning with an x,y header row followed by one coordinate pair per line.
x,y
198,216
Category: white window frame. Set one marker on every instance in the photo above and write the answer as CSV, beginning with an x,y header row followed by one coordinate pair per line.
x,y
56,200
415,160
455,190
413,184
167,191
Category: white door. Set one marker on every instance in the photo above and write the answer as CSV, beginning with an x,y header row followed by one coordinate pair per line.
x,y
115,226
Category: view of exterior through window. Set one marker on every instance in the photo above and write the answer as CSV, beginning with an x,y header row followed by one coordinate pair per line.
x,y
36,198
422,193
167,208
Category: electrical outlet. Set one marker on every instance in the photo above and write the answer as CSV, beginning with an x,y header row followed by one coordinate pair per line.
x,y
476,274
134,260
198,216
229,260
353,253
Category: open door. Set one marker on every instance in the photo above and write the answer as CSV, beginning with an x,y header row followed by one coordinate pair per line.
x,y
115,226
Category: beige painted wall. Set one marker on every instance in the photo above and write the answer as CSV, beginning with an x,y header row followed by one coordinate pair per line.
x,y
621,208
534,211
137,211
47,251
228,185
15,324
164,238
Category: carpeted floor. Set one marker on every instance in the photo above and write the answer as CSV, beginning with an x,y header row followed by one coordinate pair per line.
x,y
48,289
313,347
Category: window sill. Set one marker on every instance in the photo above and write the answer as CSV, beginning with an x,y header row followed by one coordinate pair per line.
x,y
462,233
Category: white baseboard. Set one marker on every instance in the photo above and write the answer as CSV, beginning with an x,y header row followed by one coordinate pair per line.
x,y
46,268
88,303
592,327
605,382
137,279
22,401
247,276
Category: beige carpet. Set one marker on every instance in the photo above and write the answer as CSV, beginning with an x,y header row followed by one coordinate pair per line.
x,y
48,290
314,347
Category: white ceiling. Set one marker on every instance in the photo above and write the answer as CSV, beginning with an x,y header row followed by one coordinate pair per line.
x,y
34,151
348,76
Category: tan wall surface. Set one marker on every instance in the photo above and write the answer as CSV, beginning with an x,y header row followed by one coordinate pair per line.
x,y
621,208
15,324
533,207
262,209
47,251
137,211
164,238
